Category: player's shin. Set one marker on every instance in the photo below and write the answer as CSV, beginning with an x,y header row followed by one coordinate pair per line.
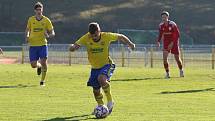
x,y
107,90
44,70
179,62
166,66
98,98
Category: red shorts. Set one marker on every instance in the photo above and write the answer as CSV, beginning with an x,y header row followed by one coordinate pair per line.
x,y
175,49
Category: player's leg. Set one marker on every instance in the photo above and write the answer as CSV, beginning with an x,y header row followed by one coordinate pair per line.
x,y
43,70
98,96
36,64
105,86
103,79
93,82
43,60
34,57
166,63
176,51
179,63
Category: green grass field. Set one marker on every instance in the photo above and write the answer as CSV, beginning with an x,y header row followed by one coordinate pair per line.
x,y
141,94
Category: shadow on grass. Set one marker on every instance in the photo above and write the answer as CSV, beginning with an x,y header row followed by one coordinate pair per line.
x,y
188,91
72,118
17,86
135,79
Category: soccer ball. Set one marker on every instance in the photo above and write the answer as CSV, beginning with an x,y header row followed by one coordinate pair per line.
x,y
101,111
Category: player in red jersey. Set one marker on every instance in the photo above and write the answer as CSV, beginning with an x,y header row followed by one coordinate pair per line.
x,y
169,33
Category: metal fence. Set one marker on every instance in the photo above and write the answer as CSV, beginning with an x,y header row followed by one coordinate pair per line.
x,y
199,56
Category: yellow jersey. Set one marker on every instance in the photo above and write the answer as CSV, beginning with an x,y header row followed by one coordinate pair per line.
x,y
37,29
98,52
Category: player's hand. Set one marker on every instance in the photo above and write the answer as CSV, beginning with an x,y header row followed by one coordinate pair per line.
x,y
131,46
170,46
46,34
26,39
49,34
73,47
158,44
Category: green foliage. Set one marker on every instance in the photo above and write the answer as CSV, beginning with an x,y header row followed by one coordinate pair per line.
x,y
71,17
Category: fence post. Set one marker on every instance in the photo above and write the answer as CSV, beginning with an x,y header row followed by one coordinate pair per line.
x,y
70,58
23,54
182,56
146,57
213,57
151,56
123,56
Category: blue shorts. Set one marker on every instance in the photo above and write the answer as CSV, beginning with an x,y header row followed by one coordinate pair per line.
x,y
38,52
107,70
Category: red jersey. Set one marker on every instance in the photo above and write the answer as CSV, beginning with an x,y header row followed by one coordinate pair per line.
x,y
168,32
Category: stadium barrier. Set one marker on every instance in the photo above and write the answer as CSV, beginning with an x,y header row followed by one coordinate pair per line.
x,y
199,56
213,57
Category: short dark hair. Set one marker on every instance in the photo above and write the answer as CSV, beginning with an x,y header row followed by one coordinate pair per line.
x,y
93,27
38,5
165,13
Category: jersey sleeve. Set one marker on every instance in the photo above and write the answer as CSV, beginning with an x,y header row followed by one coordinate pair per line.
x,y
160,34
112,36
49,25
82,40
176,33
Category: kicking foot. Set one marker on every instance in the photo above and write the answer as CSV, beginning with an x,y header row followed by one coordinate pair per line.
x,y
110,106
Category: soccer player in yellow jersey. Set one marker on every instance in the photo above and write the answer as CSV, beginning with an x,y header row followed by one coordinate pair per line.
x,y
39,27
97,44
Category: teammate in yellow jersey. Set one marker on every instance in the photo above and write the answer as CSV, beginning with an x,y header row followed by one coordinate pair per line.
x,y
1,51
39,27
97,44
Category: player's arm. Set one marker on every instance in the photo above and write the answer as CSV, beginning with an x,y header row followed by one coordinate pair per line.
x,y
28,30
126,40
1,51
176,33
159,37
78,44
27,34
50,33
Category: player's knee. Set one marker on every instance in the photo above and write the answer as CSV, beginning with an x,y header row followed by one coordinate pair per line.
x,y
102,80
165,61
178,60
44,64
34,65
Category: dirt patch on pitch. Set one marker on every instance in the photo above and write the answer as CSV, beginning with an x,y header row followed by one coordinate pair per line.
x,y
7,60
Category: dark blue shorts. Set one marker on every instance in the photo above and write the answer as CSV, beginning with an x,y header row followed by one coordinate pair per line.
x,y
107,70
38,52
